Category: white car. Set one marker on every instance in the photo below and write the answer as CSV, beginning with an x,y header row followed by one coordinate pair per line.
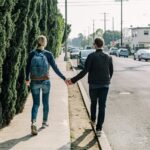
x,y
113,51
142,54
74,53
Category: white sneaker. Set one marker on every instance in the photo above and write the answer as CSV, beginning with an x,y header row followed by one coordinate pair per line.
x,y
34,130
98,133
45,124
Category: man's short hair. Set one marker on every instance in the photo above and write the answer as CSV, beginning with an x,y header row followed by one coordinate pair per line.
x,y
99,42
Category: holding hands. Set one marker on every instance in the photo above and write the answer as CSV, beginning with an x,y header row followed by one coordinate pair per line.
x,y
68,82
28,83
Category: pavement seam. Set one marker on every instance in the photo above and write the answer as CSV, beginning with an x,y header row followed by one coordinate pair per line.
x,y
102,141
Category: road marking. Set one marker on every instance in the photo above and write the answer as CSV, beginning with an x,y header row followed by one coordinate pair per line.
x,y
124,93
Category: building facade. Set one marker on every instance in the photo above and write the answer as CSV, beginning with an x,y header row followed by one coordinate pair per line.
x,y
140,37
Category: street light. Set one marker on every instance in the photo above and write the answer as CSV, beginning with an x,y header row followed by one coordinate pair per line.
x,y
66,56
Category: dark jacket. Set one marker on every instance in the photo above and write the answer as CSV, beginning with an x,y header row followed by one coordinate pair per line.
x,y
100,68
50,59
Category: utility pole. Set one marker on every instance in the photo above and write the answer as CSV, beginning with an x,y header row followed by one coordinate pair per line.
x,y
88,36
66,56
104,22
113,29
121,2
93,30
121,22
84,35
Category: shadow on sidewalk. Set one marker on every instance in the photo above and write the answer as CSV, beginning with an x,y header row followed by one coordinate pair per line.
x,y
75,144
7,145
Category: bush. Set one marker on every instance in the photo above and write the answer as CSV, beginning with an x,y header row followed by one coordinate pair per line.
x,y
21,21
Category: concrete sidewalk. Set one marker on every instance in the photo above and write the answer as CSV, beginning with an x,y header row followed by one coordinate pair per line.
x,y
17,136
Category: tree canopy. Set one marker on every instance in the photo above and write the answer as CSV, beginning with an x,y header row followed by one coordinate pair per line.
x,y
110,36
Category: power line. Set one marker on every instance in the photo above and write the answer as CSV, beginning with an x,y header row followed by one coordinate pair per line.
x,y
101,1
90,4
96,3
86,1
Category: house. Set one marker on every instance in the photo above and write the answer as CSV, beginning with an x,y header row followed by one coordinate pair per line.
x,y
140,37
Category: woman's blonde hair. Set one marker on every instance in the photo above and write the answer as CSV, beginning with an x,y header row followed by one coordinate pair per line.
x,y
41,41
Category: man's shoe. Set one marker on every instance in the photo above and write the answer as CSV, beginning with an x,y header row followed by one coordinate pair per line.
x,y
34,130
93,123
98,133
45,124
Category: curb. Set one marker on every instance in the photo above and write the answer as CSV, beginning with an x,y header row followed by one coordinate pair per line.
x,y
102,141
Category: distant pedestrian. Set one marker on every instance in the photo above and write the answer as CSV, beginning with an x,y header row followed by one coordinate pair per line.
x,y
99,67
37,70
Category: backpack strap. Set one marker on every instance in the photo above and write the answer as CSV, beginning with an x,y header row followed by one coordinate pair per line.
x,y
43,52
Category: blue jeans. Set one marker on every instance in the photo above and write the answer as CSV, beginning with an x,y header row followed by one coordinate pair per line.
x,y
98,95
36,87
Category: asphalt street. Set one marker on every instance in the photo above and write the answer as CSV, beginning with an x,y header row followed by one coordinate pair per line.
x,y
127,123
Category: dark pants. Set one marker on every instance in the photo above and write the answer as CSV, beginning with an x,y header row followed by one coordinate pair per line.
x,y
98,95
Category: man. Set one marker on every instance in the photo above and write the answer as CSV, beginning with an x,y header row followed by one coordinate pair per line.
x,y
99,67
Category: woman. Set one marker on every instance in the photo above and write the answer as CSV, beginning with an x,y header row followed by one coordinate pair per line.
x,y
37,70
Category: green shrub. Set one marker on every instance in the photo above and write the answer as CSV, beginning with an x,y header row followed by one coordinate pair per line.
x,y
21,21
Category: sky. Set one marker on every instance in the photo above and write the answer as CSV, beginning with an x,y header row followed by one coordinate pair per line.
x,y
81,14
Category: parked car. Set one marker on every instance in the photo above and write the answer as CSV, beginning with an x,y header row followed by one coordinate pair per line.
x,y
113,51
83,56
122,52
70,48
88,47
142,54
74,53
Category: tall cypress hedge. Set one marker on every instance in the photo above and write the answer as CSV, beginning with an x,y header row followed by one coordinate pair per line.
x,y
21,21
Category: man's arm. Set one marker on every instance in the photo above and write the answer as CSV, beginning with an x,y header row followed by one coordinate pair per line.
x,y
86,69
111,68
